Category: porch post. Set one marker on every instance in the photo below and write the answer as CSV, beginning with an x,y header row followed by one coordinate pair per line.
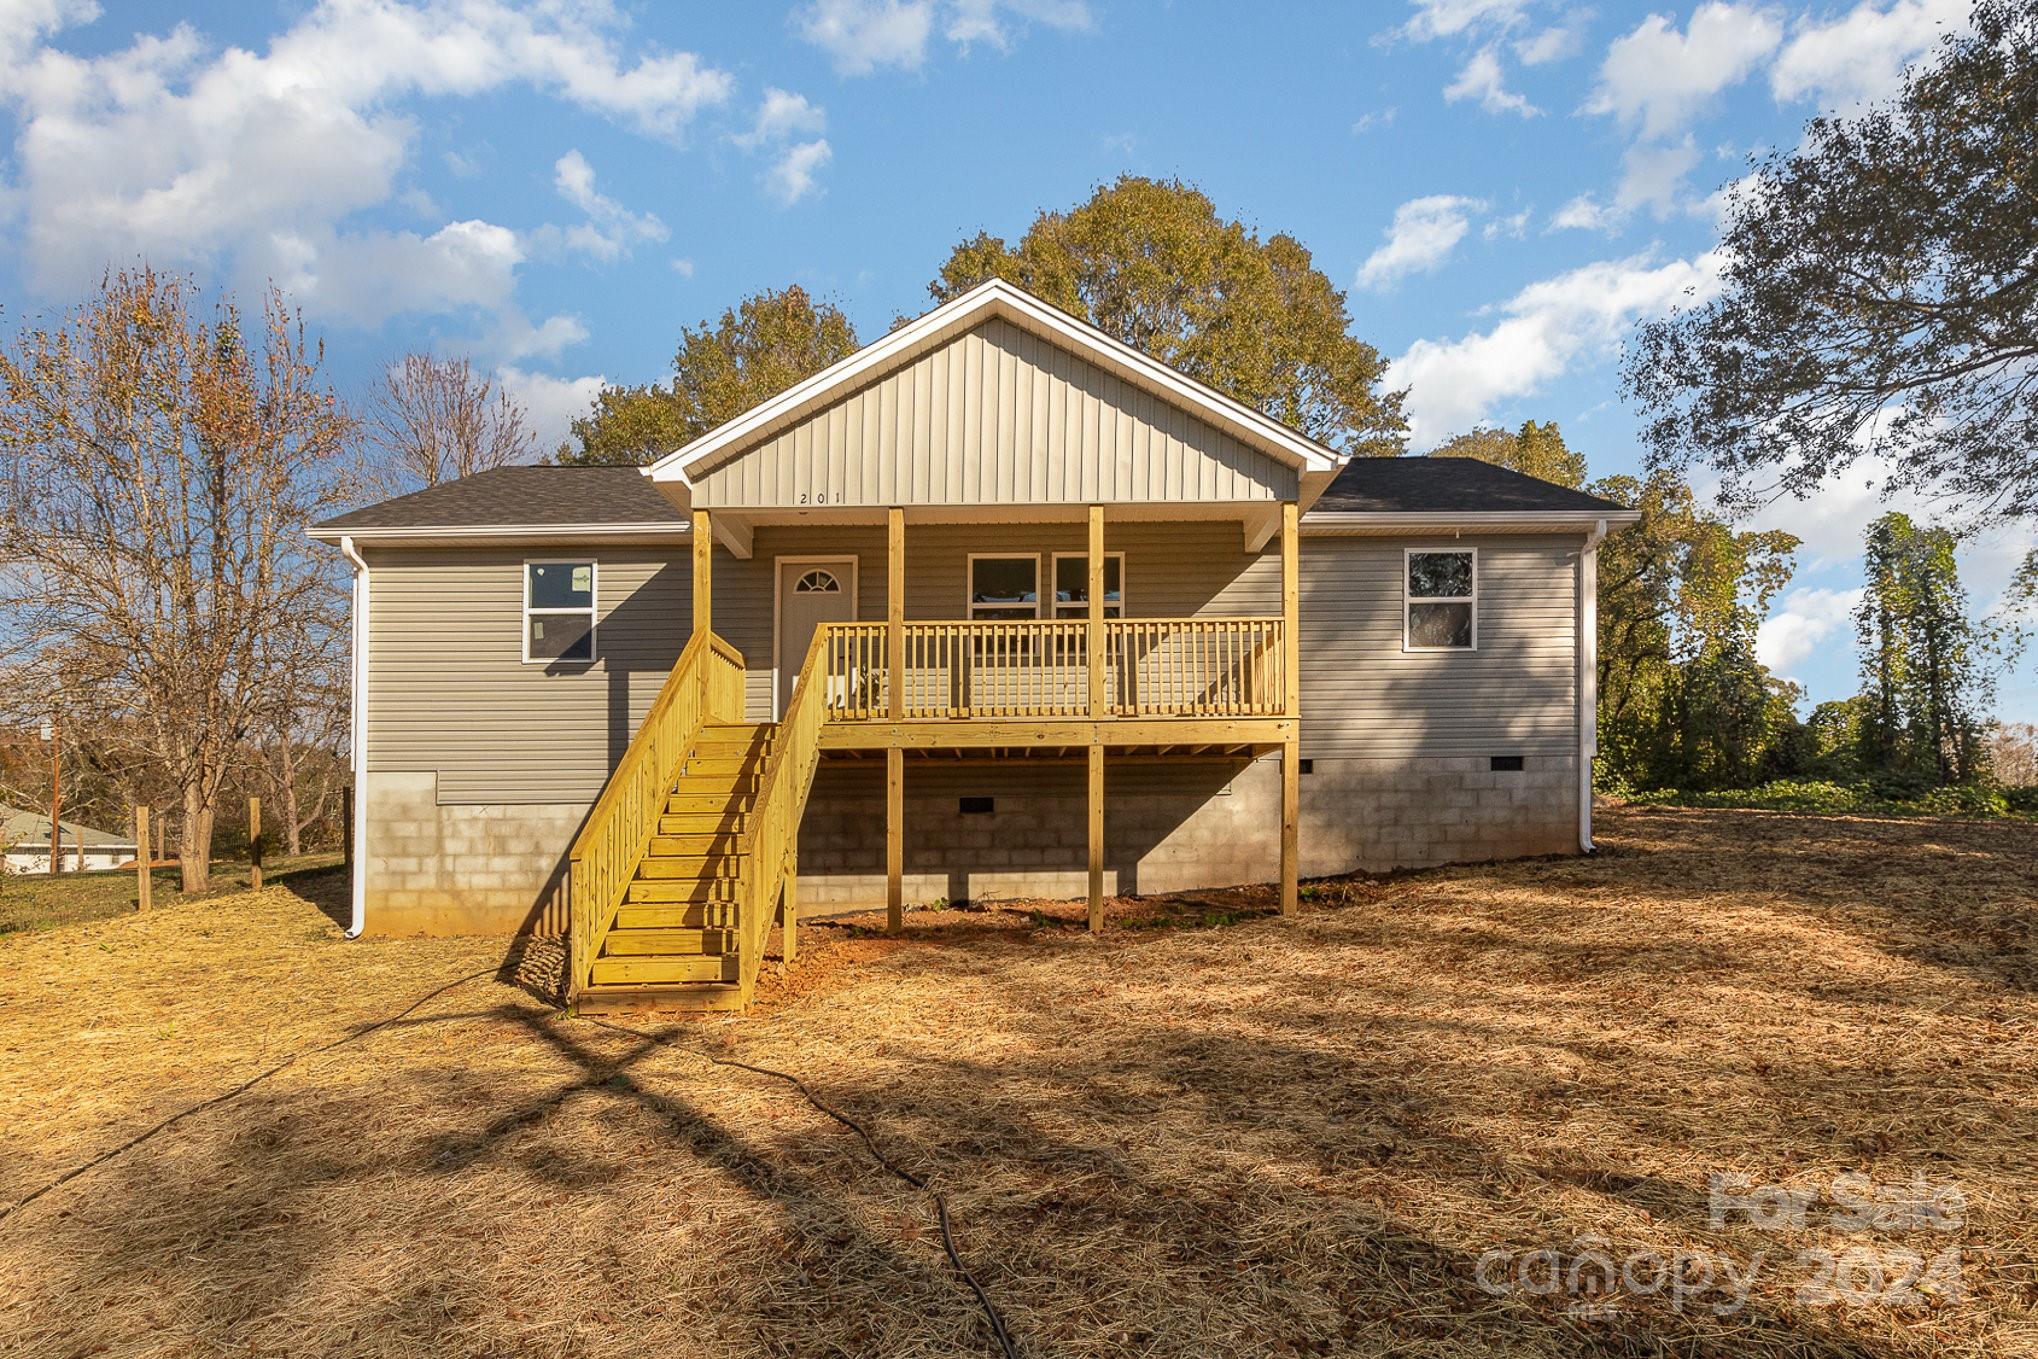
x,y
1291,747
895,611
1095,650
703,570
1096,806
895,854
789,910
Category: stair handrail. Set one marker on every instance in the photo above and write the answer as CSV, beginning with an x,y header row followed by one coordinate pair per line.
x,y
705,685
771,836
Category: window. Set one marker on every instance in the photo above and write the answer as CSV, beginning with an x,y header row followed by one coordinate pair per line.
x,y
1004,587
1442,601
1072,585
558,611
817,583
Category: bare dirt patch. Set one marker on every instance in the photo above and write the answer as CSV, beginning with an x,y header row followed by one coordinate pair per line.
x,y
1207,1132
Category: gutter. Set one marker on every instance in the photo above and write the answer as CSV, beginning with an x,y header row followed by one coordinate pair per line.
x,y
359,737
1586,651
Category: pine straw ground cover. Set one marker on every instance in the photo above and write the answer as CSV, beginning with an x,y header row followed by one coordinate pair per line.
x,y
1204,1133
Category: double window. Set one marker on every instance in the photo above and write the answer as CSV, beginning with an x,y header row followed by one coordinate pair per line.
x,y
1441,600
559,610
1009,586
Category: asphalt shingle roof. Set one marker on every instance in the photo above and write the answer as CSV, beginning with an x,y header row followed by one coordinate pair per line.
x,y
522,497
31,830
1445,486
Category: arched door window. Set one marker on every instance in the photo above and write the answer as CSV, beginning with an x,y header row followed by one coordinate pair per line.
x,y
817,583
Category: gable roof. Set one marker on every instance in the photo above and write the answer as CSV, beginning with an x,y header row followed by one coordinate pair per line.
x,y
31,830
1453,486
519,499
999,299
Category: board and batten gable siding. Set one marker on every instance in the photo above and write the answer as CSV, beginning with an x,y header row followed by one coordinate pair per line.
x,y
449,692
1365,697
996,416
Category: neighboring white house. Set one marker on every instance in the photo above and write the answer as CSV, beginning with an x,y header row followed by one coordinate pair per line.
x,y
25,839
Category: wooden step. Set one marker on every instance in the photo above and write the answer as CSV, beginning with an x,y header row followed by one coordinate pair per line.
x,y
637,971
664,864
654,914
670,841
690,801
717,825
667,942
695,891
689,996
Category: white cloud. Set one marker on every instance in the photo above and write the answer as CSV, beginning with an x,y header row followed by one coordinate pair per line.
x,y
1421,238
552,403
1548,45
1545,329
1481,78
1451,18
1659,79
783,115
611,230
1366,122
792,177
1583,213
518,339
1803,621
1652,177
862,36
1860,56
248,163
1514,226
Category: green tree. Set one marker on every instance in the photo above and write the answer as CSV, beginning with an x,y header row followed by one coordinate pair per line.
x,y
1536,450
1879,297
1683,701
758,348
1923,661
1151,263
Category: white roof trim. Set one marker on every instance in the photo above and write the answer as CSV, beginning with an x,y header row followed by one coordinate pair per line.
x,y
1332,522
484,532
994,297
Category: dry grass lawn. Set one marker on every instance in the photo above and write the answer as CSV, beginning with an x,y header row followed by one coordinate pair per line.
x,y
1206,1133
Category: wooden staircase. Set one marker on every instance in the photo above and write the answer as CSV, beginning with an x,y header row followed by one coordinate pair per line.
x,y
676,941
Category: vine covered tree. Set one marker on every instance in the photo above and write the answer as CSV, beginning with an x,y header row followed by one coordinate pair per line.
x,y
1879,297
1925,681
1151,263
758,348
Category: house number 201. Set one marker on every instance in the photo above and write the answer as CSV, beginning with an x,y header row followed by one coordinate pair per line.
x,y
819,498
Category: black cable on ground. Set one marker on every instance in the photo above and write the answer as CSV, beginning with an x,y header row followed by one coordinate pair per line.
x,y
997,1322
103,1157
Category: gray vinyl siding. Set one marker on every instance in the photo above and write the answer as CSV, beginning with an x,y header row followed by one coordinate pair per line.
x,y
997,416
1364,697
449,692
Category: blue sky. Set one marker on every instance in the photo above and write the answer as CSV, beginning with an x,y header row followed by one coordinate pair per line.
x,y
1503,186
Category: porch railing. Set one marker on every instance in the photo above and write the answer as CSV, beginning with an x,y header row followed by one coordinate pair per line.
x,y
706,685
772,837
1153,667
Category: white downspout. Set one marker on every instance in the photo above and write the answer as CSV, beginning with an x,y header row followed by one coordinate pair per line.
x,y
359,738
1586,650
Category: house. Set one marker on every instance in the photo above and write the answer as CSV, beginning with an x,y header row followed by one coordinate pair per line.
x,y
995,606
25,845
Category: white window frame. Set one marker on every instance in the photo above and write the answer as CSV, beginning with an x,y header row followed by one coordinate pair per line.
x,y
593,611
1408,601
1054,574
970,607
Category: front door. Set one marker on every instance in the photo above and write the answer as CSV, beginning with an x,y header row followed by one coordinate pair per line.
x,y
811,591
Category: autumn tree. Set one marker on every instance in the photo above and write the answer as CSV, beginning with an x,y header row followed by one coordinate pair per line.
x,y
1152,263
758,348
164,455
432,420
1923,661
1536,450
1879,296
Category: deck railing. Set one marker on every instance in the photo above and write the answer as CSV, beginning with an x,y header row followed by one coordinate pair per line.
x,y
706,685
1153,667
772,834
